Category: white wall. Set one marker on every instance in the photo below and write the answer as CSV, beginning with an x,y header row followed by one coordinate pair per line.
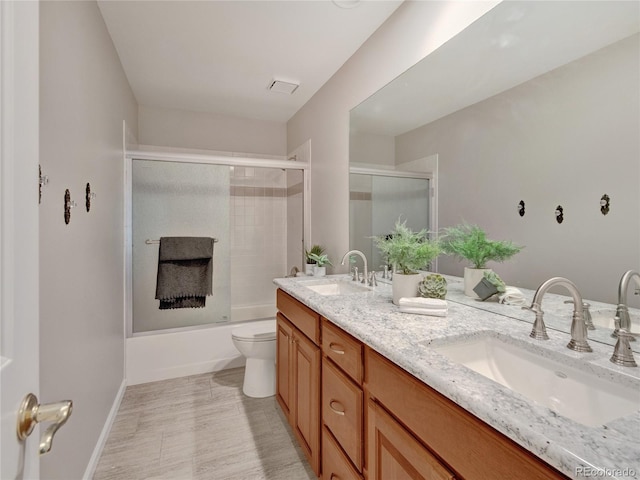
x,y
564,138
413,31
84,98
208,131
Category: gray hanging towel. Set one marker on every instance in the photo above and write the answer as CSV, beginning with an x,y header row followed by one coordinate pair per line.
x,y
185,272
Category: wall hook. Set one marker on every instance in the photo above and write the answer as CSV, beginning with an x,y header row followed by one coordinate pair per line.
x,y
68,205
88,196
42,181
521,208
604,204
559,214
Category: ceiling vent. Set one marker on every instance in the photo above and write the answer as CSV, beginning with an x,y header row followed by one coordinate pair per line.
x,y
283,87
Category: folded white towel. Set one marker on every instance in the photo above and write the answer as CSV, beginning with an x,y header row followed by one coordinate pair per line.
x,y
512,296
422,302
433,312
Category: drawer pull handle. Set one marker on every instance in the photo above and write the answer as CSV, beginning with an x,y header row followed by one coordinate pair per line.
x,y
337,348
337,411
334,477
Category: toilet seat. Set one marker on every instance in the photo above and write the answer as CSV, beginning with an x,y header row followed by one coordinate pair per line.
x,y
261,332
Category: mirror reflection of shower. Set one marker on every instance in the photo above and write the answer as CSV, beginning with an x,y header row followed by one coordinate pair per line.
x,y
377,198
255,213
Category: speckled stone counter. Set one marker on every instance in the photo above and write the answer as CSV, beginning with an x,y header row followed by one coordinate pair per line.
x,y
611,450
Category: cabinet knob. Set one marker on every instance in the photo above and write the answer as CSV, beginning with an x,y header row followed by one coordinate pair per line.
x,y
338,409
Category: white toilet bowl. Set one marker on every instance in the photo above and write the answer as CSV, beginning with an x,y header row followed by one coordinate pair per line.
x,y
257,342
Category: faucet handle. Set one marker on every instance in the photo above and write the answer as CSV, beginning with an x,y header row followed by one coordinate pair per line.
x,y
539,330
622,353
588,320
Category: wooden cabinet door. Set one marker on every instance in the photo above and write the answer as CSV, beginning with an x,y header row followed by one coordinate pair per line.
x,y
394,454
306,397
284,346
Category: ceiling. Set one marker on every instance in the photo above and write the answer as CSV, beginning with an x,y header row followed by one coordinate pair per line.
x,y
220,56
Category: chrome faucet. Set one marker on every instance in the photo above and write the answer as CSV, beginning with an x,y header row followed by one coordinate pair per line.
x,y
622,312
364,259
578,328
622,353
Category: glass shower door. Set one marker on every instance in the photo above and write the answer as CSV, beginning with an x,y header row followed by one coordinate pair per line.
x,y
172,199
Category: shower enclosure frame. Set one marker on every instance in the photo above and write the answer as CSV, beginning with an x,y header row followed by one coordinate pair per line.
x,y
194,158
432,177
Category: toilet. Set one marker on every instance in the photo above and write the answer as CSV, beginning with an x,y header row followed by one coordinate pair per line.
x,y
257,342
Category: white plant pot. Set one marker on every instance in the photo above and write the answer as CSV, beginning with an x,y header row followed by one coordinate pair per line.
x,y
319,271
308,268
473,276
405,286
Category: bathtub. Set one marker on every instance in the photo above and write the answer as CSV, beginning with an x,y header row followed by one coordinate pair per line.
x,y
181,352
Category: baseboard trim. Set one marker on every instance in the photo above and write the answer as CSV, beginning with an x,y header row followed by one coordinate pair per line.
x,y
104,435
196,368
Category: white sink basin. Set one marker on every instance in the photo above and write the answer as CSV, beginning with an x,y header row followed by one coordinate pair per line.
x,y
604,319
324,287
568,391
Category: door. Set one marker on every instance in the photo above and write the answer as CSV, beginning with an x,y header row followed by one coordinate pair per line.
x,y
393,453
283,365
19,345
305,411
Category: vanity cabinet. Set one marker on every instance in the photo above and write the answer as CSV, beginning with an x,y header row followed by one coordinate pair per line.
x,y
298,373
406,417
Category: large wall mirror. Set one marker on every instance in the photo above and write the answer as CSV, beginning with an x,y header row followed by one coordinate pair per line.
x,y
535,102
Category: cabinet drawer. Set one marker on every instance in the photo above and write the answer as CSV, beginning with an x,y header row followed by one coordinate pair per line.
x,y
335,465
301,316
342,411
343,349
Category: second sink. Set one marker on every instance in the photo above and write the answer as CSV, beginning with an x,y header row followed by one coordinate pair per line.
x,y
324,287
579,395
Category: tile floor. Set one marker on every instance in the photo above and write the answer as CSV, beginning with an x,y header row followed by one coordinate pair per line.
x,y
200,427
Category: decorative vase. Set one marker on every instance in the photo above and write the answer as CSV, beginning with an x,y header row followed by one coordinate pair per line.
x,y
308,268
473,276
319,271
405,286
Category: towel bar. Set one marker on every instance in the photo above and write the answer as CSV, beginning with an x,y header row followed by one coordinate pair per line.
x,y
155,242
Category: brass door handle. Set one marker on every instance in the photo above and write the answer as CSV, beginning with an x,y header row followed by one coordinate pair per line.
x,y
336,348
31,412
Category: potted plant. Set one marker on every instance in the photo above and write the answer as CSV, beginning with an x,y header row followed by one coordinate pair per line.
x,y
470,242
311,263
320,263
407,251
490,285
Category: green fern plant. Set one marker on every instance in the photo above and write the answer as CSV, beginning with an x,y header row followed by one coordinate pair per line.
x,y
407,250
470,242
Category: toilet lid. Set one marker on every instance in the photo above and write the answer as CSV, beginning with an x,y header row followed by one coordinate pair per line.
x,y
258,332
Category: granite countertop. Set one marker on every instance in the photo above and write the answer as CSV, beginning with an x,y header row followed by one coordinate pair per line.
x,y
408,340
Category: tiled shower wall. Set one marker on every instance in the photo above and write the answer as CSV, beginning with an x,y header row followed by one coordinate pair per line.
x,y
258,245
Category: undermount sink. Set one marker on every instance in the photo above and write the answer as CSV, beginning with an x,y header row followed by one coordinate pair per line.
x,y
324,287
570,392
605,319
